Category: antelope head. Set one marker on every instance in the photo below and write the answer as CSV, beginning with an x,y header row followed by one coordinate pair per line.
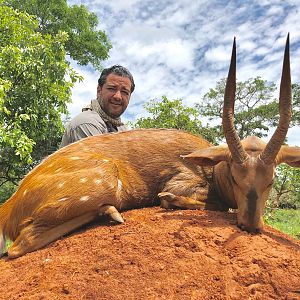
x,y
245,176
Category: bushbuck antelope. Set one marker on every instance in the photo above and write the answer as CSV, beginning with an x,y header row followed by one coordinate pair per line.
x,y
107,174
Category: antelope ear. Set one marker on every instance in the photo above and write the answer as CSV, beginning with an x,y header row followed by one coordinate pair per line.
x,y
289,155
209,156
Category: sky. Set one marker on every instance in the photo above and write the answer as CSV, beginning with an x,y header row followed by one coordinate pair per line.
x,y
181,48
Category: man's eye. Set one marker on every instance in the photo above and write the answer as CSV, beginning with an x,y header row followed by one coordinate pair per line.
x,y
125,93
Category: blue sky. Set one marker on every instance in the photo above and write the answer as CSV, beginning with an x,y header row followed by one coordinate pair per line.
x,y
182,48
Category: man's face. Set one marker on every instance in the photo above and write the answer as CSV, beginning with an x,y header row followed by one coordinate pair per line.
x,y
114,95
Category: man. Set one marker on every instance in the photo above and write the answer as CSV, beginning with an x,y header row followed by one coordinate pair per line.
x,y
115,87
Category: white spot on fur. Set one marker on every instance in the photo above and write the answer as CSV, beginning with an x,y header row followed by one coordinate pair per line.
x,y
119,185
84,198
58,170
83,180
74,158
97,181
119,192
60,185
63,199
105,160
25,192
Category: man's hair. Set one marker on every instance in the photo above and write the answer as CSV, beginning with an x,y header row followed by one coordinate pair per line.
x,y
118,70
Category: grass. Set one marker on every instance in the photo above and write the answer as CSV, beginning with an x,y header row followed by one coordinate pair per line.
x,y
285,220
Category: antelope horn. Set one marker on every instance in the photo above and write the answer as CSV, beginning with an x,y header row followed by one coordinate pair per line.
x,y
285,106
237,152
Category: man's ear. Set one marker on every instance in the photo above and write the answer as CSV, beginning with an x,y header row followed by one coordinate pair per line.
x,y
99,89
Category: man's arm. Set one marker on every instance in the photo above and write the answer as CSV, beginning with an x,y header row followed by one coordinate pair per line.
x,y
82,131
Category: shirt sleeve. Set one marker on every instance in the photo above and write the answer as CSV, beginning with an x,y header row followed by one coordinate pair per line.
x,y
87,129
81,131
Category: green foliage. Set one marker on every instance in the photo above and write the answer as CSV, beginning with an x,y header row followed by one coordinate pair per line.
x,y
6,190
34,92
255,110
286,188
285,220
85,44
167,113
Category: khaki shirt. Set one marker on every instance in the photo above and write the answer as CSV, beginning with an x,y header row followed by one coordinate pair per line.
x,y
87,123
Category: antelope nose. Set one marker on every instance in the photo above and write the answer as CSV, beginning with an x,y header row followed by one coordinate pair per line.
x,y
250,228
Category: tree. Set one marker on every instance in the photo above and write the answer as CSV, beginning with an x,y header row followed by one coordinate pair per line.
x,y
35,87
255,109
286,187
85,43
167,113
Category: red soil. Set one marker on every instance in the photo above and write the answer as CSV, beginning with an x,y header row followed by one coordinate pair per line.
x,y
159,254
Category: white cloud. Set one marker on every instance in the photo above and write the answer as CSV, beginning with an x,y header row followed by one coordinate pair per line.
x,y
175,54
120,5
217,54
182,48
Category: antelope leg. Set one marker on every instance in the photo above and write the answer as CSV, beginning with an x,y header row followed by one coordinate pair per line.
x,y
34,236
169,200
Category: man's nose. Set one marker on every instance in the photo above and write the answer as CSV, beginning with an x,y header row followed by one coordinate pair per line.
x,y
118,95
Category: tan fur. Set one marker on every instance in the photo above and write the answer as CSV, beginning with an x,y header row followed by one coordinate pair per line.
x,y
124,170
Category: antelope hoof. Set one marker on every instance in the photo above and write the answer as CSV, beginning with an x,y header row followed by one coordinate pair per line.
x,y
166,196
16,251
112,212
166,200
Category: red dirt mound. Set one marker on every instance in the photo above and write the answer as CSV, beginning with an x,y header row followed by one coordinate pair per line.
x,y
158,254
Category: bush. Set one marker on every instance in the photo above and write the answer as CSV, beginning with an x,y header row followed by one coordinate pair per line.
x,y
6,190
